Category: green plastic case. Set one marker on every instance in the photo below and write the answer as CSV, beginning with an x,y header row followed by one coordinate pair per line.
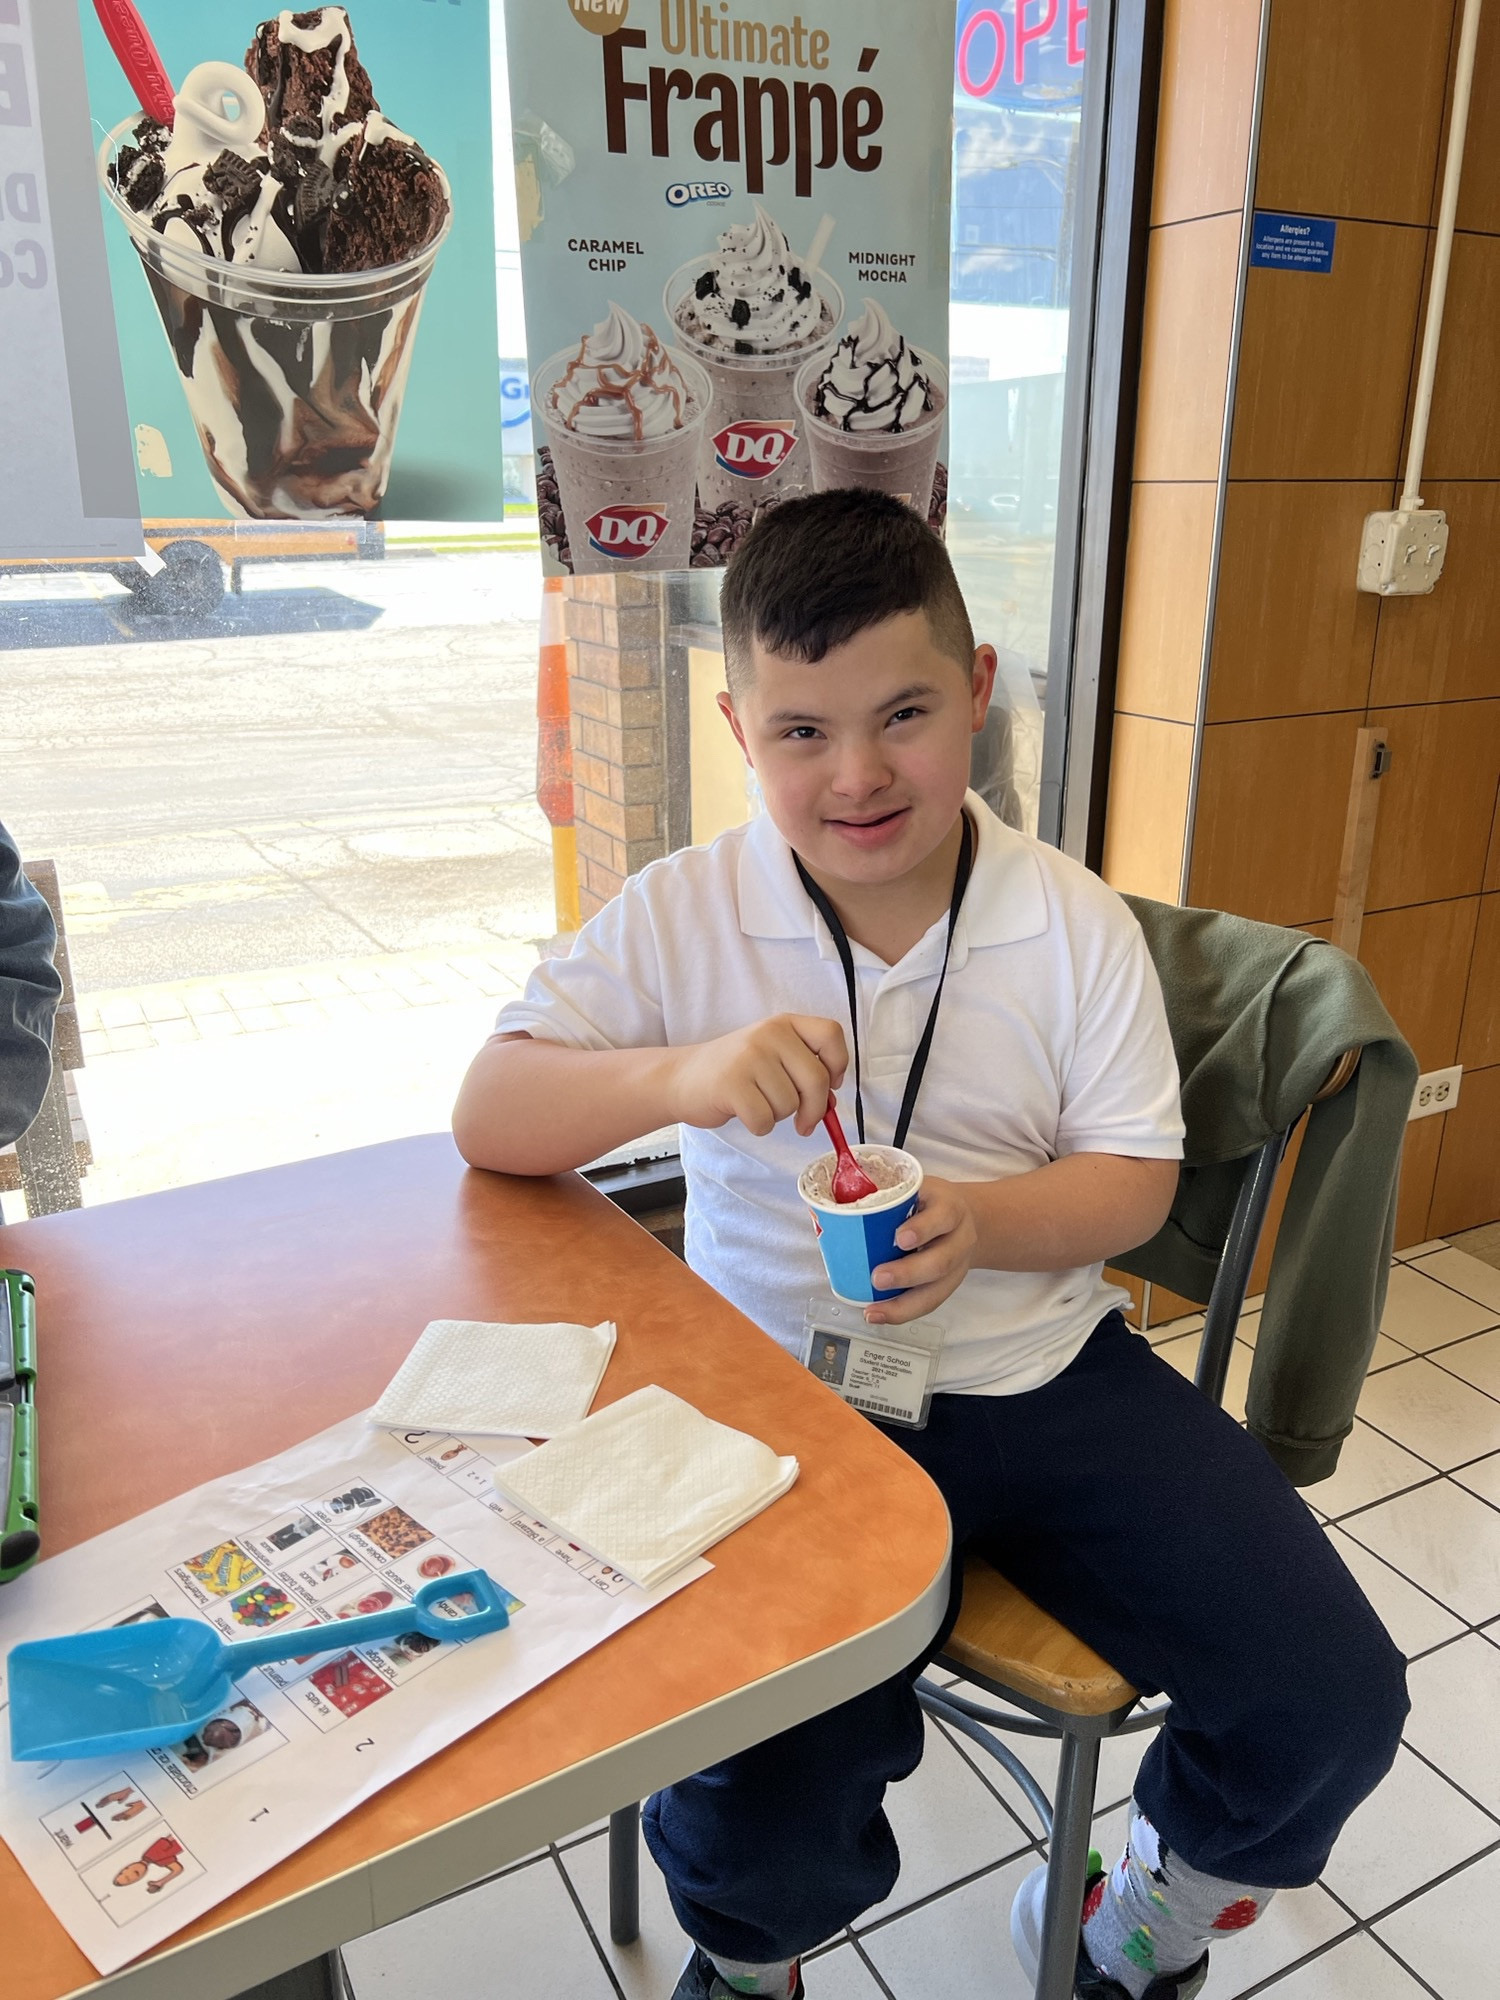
x,y
20,1542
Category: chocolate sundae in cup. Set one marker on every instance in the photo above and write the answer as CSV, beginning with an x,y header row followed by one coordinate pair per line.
x,y
857,1237
873,410
287,230
751,316
624,418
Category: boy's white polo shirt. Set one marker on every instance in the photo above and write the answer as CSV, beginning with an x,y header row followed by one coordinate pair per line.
x,y
1051,1039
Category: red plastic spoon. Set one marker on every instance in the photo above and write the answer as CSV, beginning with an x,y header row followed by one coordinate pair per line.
x,y
136,53
850,1181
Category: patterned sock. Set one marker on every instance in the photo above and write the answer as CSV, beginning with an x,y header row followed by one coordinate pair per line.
x,y
779,1978
1154,1915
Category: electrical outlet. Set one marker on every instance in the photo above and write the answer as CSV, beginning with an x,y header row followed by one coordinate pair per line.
x,y
1402,552
1436,1091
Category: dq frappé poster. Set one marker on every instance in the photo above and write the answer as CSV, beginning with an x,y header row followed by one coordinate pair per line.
x,y
302,256
734,257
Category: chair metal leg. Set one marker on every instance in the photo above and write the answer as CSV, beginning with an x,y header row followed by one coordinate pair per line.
x,y
625,1874
1067,1866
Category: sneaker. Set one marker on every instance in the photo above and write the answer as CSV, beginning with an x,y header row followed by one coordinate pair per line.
x,y
701,1980
1089,1983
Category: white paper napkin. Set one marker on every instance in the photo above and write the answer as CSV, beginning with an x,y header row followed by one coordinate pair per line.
x,y
647,1484
496,1380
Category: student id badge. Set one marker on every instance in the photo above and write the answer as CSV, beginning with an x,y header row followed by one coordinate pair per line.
x,y
887,1372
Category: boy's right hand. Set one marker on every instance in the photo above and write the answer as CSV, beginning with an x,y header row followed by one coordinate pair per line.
x,y
785,1067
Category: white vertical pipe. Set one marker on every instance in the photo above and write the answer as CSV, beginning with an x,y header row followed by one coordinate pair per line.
x,y
1432,332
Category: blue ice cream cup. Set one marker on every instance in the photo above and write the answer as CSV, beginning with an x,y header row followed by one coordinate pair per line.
x,y
856,1238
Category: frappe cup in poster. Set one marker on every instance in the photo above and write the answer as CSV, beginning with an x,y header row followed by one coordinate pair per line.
x,y
873,412
287,230
857,1237
752,315
624,419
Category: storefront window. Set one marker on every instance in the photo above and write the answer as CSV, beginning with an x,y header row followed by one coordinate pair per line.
x,y
1017,99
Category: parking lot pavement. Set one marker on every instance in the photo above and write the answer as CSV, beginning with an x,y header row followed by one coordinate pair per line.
x,y
221,804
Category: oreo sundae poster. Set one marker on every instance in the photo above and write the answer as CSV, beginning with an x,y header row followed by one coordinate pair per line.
x,y
302,256
734,260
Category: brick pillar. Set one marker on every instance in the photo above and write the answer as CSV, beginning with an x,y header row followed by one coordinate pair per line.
x,y
617,674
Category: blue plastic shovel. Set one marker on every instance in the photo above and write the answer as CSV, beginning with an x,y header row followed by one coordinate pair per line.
x,y
128,1687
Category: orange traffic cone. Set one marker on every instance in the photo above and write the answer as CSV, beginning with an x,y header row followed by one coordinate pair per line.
x,y
554,754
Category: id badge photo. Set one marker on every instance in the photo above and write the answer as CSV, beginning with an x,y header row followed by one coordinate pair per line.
x,y
886,1372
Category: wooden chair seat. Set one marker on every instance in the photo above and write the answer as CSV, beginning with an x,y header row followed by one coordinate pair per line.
x,y
1002,1636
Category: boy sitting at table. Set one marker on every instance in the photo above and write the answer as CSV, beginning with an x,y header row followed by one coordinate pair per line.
x,y
722,990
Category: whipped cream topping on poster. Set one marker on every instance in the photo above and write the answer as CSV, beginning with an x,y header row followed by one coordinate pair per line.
x,y
752,296
623,383
701,182
874,382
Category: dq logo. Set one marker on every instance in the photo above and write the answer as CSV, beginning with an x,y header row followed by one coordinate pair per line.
x,y
753,450
627,533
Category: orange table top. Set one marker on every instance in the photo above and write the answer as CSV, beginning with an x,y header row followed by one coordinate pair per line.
x,y
184,1335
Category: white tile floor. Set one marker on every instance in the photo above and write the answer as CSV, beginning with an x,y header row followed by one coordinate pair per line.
x,y
1406,1905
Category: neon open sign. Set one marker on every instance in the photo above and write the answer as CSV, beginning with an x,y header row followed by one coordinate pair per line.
x,y
997,42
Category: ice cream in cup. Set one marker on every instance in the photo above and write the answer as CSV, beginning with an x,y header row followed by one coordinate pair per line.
x,y
751,316
857,1237
624,419
287,230
873,410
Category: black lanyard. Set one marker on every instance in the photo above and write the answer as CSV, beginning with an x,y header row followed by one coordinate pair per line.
x,y
918,1068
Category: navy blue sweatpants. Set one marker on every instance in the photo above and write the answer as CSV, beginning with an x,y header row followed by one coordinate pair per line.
x,y
1131,1508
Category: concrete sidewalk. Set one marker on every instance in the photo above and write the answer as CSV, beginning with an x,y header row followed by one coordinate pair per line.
x,y
199,1080
344,993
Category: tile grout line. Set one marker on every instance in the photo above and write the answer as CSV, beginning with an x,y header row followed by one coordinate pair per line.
x,y
828,1948
1471,1627
1444,1347
957,1742
1449,1249
1422,1758
1417,1485
1396,1492
1410,1970
933,1896
1396,1570
583,1917
1311,1957
1367,1924
1453,1376
1361,1929
871,1967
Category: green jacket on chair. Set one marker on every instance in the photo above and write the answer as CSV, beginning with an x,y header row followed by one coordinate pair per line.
x,y
1260,1017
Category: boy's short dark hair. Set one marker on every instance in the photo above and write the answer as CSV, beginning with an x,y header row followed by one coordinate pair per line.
x,y
816,570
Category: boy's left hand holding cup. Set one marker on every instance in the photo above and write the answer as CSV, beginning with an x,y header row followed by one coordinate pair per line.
x,y
939,1242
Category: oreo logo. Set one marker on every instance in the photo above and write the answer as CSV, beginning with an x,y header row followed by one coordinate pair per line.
x,y
626,533
754,450
680,193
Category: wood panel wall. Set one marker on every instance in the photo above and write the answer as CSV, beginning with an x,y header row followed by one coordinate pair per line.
x,y
1353,126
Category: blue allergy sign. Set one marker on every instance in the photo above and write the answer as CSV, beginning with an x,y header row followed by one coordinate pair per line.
x,y
1292,242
